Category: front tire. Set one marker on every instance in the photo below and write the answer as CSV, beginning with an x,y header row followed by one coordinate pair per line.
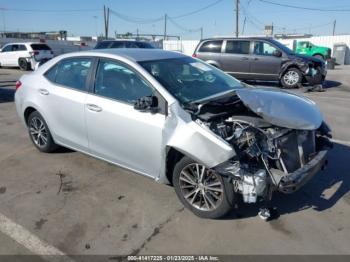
x,y
201,190
40,134
292,78
319,57
23,64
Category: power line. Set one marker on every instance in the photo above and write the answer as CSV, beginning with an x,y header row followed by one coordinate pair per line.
x,y
48,10
136,19
148,20
182,27
305,8
198,10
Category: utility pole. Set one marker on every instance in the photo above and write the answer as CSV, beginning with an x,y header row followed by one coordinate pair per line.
x,y
165,24
237,18
334,25
106,18
201,33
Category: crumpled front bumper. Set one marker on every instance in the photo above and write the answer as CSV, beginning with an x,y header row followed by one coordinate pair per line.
x,y
294,181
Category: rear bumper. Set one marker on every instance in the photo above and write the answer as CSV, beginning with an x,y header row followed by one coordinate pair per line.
x,y
294,181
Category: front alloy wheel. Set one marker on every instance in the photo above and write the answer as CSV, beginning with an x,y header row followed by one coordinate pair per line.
x,y
292,78
202,190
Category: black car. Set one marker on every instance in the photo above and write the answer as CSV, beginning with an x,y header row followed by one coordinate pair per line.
x,y
123,44
261,59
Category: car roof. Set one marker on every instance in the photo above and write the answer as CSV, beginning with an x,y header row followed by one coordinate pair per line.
x,y
238,38
25,43
121,40
134,54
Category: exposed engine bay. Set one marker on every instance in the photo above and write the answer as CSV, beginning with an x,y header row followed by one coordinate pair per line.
x,y
268,157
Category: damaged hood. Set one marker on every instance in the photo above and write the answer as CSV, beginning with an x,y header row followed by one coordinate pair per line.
x,y
281,108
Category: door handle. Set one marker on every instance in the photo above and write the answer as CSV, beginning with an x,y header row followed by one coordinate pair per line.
x,y
245,58
256,59
43,92
94,108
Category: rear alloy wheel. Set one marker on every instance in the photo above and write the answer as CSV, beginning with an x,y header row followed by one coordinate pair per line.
x,y
202,190
291,78
40,134
23,64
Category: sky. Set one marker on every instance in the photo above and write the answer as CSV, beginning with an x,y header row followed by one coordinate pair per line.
x,y
87,19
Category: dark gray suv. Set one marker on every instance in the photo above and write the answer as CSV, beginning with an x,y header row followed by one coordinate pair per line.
x,y
261,59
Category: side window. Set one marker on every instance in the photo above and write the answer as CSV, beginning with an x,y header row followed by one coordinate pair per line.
x,y
237,47
51,73
115,80
73,73
211,47
15,48
22,48
262,48
7,48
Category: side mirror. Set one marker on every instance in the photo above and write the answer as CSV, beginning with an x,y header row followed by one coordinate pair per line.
x,y
147,104
277,53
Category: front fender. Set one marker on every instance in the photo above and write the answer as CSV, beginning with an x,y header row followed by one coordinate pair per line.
x,y
301,65
195,141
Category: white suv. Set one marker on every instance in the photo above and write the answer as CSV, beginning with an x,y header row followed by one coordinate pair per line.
x,y
24,55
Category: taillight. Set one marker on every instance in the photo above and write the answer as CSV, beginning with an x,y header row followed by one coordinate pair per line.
x,y
18,84
194,55
34,53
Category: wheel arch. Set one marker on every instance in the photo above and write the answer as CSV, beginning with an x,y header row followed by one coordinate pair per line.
x,y
172,157
319,54
27,112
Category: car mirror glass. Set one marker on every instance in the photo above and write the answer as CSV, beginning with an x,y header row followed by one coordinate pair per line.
x,y
277,53
147,104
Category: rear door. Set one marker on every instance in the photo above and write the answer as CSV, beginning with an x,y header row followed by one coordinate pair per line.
x,y
22,51
264,65
210,52
235,58
63,96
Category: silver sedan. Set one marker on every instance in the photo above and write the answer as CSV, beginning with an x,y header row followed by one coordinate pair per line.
x,y
177,120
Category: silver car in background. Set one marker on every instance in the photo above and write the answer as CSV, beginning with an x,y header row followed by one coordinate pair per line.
x,y
177,120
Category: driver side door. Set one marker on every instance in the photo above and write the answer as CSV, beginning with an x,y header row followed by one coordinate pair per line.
x,y
5,55
116,131
264,64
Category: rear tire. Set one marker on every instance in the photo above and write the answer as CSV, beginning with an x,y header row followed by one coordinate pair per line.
x,y
203,191
23,64
292,78
40,134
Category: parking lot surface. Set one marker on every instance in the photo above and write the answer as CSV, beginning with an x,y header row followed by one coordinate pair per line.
x,y
75,204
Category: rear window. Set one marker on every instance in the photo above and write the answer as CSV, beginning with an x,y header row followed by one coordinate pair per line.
x,y
40,47
211,47
237,47
117,45
102,45
144,45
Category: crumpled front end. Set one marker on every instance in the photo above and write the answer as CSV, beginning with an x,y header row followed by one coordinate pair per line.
x,y
271,158
280,140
